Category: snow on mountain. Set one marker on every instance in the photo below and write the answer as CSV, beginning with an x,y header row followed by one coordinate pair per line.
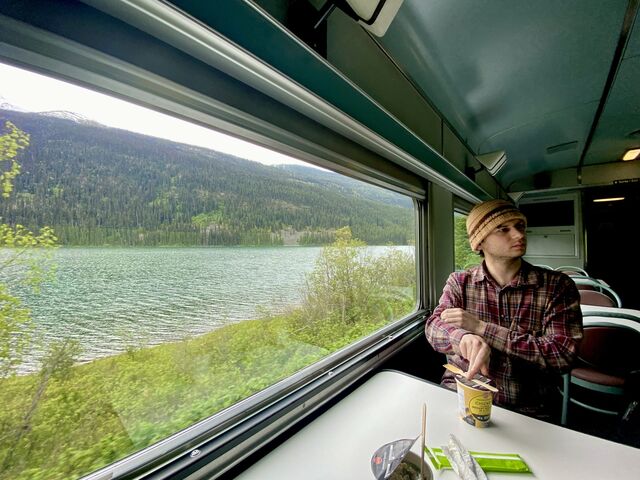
x,y
74,117
63,114
5,105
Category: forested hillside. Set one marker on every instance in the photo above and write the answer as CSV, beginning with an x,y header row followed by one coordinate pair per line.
x,y
97,185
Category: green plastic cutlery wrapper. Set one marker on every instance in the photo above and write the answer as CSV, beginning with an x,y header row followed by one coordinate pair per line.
x,y
490,462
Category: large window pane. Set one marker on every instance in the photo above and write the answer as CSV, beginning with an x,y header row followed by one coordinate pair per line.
x,y
147,283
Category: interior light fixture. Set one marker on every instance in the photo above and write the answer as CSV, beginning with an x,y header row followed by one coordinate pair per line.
x,y
493,161
612,199
631,154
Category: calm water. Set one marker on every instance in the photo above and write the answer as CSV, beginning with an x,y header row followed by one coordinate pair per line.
x,y
114,298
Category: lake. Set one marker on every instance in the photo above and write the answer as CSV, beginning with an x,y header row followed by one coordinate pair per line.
x,y
112,299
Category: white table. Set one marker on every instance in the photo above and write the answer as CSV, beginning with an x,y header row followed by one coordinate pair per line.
x,y
339,444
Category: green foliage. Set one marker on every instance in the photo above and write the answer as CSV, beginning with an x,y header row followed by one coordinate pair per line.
x,y
82,418
102,186
317,238
23,261
349,285
15,330
57,365
214,219
30,251
11,143
465,257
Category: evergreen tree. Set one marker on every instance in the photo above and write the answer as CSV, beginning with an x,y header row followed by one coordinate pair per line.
x,y
103,186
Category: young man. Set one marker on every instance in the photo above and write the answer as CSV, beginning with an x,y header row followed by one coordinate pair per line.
x,y
507,319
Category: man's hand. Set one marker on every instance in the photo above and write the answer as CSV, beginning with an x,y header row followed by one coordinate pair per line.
x,y
477,352
462,319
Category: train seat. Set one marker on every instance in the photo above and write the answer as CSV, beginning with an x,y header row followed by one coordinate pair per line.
x,y
593,297
605,362
596,292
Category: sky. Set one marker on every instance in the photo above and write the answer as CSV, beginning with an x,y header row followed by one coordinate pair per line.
x,y
38,93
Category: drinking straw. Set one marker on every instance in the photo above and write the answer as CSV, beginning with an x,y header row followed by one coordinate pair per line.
x,y
424,440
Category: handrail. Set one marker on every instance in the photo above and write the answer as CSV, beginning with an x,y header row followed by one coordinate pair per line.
x,y
541,265
602,287
607,314
572,268
583,277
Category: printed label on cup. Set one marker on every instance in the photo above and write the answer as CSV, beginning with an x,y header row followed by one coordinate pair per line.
x,y
474,403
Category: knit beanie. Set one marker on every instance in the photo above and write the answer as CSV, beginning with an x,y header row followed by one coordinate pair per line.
x,y
486,216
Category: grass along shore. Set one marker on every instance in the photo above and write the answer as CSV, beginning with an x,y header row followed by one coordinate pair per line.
x,y
68,420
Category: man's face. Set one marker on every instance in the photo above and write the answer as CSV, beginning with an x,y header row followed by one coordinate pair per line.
x,y
508,240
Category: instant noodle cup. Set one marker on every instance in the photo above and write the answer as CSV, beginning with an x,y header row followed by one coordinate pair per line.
x,y
399,461
474,402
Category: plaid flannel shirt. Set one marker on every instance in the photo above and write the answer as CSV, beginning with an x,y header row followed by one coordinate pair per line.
x,y
533,326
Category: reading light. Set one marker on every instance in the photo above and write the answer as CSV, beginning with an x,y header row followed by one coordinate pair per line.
x,y
631,154
612,199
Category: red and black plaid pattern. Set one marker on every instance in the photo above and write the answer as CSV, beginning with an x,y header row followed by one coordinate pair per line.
x,y
533,326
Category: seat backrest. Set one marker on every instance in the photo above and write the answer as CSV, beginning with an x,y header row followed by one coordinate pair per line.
x,y
571,270
586,283
610,348
591,297
542,265
583,283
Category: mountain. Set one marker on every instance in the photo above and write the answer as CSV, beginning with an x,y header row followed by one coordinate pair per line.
x,y
74,117
346,185
5,105
98,185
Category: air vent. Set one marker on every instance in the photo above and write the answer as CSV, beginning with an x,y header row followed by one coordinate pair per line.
x,y
634,134
562,146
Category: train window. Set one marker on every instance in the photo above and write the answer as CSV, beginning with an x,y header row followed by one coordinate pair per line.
x,y
464,256
149,283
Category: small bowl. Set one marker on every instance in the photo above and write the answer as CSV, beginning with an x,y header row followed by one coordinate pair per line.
x,y
414,459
